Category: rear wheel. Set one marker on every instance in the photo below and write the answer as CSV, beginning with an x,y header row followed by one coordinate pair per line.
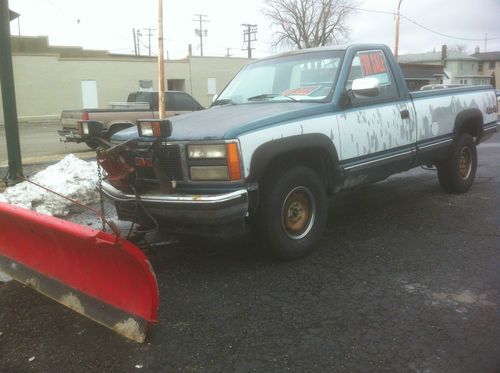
x,y
457,173
292,213
92,143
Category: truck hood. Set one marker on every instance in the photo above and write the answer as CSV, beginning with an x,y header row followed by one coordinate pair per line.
x,y
229,121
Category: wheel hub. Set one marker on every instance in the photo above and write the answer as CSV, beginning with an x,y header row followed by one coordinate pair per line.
x,y
465,163
298,212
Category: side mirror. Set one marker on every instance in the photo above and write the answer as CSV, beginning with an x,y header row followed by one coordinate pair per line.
x,y
365,87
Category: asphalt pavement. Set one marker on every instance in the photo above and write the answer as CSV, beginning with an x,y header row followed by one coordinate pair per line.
x,y
407,279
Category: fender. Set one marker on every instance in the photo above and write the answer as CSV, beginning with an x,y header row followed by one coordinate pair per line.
x,y
268,151
465,117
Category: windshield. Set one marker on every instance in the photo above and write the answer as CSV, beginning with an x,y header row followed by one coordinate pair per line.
x,y
303,77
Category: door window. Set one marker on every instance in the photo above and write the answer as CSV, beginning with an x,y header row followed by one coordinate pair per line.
x,y
372,64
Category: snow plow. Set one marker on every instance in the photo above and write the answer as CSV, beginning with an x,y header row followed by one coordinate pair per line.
x,y
97,274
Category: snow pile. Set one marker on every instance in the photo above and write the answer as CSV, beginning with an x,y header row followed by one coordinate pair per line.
x,y
71,177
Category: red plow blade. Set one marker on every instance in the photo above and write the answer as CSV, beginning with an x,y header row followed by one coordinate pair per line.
x,y
97,274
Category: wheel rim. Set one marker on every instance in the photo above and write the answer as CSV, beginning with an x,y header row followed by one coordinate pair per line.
x,y
465,163
298,212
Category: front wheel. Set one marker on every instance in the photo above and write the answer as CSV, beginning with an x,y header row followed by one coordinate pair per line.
x,y
457,173
293,212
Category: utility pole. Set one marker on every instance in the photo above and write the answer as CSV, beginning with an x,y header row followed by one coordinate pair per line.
x,y
149,37
135,41
9,97
161,64
200,32
396,43
138,33
249,35
485,43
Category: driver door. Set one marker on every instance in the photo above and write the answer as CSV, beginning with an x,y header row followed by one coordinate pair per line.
x,y
377,133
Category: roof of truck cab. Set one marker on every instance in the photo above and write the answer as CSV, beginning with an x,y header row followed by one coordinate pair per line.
x,y
339,47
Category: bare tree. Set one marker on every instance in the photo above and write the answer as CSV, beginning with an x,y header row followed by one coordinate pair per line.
x,y
309,23
461,48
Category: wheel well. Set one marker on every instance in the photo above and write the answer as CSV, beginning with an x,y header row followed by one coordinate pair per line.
x,y
317,159
471,126
470,121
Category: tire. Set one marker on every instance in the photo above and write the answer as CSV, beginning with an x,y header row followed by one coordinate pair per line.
x,y
92,143
292,212
457,173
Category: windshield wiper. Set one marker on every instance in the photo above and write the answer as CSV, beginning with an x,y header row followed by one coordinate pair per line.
x,y
223,101
269,95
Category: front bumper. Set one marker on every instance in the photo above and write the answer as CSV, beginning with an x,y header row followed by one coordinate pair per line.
x,y
202,214
71,135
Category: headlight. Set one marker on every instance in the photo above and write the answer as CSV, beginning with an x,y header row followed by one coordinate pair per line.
x,y
207,151
85,128
199,173
160,128
146,129
214,162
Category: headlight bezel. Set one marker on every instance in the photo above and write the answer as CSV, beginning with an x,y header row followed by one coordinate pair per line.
x,y
213,162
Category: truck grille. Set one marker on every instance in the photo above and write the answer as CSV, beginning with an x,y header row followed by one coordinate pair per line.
x,y
169,159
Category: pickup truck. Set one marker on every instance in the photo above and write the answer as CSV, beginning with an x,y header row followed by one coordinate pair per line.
x,y
141,104
287,132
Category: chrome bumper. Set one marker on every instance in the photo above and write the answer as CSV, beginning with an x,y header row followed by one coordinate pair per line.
x,y
70,135
187,209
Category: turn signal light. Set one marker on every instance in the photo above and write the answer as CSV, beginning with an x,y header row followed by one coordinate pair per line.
x,y
233,161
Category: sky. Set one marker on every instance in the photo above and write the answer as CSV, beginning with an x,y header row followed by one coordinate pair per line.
x,y
99,24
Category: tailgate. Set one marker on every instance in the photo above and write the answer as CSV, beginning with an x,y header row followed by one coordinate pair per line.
x,y
69,118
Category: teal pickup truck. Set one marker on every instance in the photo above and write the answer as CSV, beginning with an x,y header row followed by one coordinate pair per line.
x,y
287,132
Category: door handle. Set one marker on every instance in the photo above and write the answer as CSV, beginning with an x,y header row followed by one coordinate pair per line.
x,y
405,114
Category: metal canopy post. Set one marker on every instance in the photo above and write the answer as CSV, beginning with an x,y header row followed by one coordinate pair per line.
x,y
9,96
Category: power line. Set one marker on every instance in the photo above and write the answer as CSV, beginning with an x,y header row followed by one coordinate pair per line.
x,y
419,24
440,33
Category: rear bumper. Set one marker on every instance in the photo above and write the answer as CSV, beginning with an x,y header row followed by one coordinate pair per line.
x,y
71,135
208,214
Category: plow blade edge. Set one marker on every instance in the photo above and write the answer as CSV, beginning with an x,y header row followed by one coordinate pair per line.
x,y
105,278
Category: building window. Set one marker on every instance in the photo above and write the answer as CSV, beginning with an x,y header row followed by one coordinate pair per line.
x,y
492,64
463,81
480,67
